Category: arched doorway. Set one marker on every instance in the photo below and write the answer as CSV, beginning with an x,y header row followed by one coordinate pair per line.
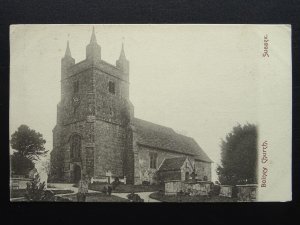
x,y
187,176
77,174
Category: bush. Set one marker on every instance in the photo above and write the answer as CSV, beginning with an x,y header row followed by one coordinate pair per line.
x,y
104,190
35,191
135,197
234,191
161,192
215,190
145,183
115,183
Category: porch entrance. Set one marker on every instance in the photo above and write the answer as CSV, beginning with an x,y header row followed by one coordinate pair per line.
x,y
77,174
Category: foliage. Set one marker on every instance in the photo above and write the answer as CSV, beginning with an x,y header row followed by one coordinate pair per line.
x,y
28,143
187,198
17,193
20,165
36,191
239,156
115,183
146,183
214,190
127,188
135,197
104,190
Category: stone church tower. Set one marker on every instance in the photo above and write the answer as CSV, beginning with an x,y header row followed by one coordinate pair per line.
x,y
93,135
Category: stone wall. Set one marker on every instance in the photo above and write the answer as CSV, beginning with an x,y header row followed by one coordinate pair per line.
x,y
110,143
247,192
203,169
104,144
192,188
226,190
173,187
143,172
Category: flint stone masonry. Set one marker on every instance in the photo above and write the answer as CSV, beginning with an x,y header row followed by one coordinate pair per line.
x,y
112,140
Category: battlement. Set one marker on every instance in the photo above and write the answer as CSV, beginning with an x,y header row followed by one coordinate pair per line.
x,y
101,65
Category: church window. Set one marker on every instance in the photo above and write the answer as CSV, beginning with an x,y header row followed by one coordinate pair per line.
x,y
153,159
75,146
187,176
76,86
111,87
111,112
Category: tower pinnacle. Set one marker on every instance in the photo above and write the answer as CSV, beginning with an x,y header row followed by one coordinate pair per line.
x,y
122,54
93,50
122,63
93,37
68,51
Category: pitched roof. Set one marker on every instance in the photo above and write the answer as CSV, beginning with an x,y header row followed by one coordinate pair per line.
x,y
157,136
172,164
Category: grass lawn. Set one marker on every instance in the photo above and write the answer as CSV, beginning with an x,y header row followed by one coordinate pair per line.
x,y
128,188
21,192
174,198
97,197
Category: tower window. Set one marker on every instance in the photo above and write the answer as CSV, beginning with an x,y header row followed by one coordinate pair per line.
x,y
75,146
76,86
111,87
153,159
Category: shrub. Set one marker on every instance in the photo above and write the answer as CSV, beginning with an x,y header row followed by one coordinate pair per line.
x,y
35,191
215,190
160,192
234,191
115,183
104,190
135,197
145,183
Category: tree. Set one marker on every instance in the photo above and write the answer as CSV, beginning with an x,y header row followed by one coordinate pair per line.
x,y
20,165
29,146
28,143
239,156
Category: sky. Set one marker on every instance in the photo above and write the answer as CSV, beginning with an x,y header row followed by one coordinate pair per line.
x,y
196,79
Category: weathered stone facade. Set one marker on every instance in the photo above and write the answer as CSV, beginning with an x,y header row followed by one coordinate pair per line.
x,y
96,132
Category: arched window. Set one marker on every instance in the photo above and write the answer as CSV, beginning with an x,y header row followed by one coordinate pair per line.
x,y
111,87
75,146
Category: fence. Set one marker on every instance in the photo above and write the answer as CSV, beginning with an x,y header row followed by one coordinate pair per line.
x,y
107,179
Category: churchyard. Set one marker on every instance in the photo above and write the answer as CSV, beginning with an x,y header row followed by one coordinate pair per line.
x,y
127,188
186,198
96,197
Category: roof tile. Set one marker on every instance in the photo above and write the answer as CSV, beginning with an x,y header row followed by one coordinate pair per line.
x,y
157,136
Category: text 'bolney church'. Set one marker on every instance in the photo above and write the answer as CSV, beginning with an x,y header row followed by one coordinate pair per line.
x,y
96,133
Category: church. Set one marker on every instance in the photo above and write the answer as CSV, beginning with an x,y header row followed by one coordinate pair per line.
x,y
96,132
